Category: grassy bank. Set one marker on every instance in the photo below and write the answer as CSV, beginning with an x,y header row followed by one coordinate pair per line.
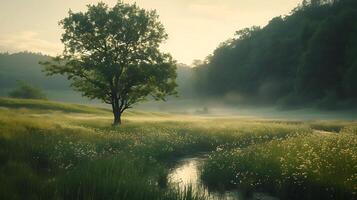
x,y
63,151
44,105
315,166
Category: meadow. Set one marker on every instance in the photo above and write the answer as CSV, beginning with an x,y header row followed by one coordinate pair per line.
x,y
51,150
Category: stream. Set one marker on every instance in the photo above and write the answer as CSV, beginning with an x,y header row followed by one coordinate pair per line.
x,y
187,173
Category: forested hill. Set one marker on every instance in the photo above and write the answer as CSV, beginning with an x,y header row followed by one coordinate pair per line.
x,y
308,58
24,66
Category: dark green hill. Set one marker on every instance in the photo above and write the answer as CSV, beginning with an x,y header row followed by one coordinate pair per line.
x,y
307,58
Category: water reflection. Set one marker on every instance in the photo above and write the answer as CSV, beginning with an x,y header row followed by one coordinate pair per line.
x,y
187,173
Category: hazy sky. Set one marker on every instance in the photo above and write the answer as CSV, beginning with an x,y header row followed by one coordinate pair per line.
x,y
195,27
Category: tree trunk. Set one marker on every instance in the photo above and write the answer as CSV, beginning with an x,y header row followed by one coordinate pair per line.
x,y
117,118
116,113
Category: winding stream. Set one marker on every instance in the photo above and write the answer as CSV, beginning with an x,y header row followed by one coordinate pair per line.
x,y
187,173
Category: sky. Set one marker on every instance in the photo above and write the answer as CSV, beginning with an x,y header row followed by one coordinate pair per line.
x,y
195,27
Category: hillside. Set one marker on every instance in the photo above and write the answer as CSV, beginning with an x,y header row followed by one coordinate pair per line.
x,y
25,66
305,59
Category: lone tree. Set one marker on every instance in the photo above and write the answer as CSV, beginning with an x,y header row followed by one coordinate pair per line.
x,y
112,54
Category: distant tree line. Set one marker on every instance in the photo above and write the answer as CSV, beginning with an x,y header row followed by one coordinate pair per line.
x,y
305,58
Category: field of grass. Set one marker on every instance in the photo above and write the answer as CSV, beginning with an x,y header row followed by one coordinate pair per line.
x,y
45,105
53,150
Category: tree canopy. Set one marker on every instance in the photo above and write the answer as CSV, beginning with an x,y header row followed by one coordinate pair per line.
x,y
112,54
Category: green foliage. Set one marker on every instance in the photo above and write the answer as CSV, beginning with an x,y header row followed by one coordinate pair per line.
x,y
112,54
26,91
304,59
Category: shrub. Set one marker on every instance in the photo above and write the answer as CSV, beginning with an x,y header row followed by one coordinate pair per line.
x,y
27,91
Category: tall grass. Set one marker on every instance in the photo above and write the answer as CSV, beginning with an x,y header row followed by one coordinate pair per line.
x,y
62,151
306,167
48,160
119,178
